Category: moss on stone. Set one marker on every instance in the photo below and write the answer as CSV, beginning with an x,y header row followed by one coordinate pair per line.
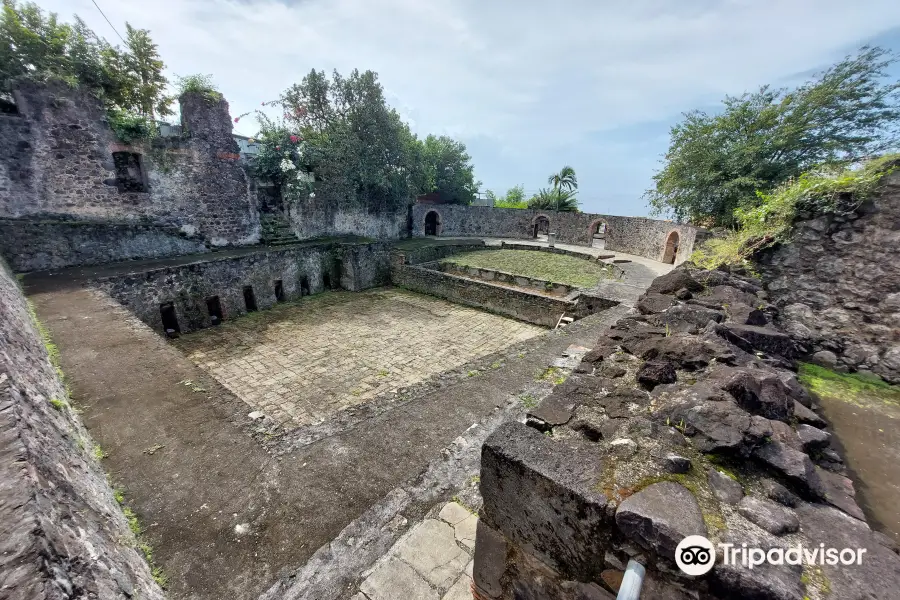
x,y
855,388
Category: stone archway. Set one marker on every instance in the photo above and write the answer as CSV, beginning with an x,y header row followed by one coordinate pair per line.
x,y
670,253
432,223
540,227
597,233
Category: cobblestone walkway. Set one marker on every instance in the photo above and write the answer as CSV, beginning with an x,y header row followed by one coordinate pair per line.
x,y
305,361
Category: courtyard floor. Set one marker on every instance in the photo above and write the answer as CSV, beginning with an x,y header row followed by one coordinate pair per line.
x,y
306,360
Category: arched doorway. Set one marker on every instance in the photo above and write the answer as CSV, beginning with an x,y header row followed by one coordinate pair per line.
x,y
540,227
432,223
597,234
670,254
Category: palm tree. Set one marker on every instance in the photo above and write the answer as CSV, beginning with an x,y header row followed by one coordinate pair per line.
x,y
564,181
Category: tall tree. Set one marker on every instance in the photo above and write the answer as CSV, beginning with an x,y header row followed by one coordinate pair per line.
x,y
448,169
564,185
563,200
717,162
145,65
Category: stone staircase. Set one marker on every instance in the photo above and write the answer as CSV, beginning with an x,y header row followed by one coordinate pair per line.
x,y
276,231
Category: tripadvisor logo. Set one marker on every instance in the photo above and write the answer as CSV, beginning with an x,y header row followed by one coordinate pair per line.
x,y
696,555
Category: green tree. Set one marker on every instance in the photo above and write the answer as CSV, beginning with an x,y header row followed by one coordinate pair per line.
x,y
448,169
564,180
32,43
717,162
514,198
145,68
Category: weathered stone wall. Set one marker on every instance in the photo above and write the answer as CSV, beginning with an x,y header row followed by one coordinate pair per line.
x,y
56,162
519,304
417,254
631,235
321,217
32,245
301,269
683,420
838,286
62,534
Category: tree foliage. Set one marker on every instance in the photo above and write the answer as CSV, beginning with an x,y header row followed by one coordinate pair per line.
x,y
717,162
36,45
514,198
554,199
360,150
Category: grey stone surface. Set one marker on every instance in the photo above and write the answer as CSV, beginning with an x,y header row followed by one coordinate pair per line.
x,y
765,582
813,438
677,464
725,488
840,493
777,492
394,579
793,464
774,518
431,549
660,516
491,549
721,425
461,590
761,394
62,530
538,493
654,372
805,415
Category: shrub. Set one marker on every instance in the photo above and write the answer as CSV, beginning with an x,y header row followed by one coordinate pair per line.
x,y
821,191
130,126
198,84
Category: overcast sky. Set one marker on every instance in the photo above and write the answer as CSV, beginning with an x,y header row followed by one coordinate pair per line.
x,y
529,86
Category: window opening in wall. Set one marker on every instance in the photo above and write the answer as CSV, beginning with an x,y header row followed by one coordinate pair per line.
x,y
169,319
129,172
8,104
279,291
249,298
304,286
214,308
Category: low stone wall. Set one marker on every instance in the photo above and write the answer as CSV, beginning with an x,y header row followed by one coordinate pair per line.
x,y
837,285
631,235
538,285
430,252
518,304
63,534
301,270
684,420
34,245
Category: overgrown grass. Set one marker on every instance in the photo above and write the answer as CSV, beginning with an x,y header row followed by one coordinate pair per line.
x,y
818,192
135,526
851,387
558,268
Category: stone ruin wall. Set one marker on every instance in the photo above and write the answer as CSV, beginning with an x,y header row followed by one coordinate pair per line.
x,y
837,286
322,216
686,419
64,535
302,270
631,235
57,171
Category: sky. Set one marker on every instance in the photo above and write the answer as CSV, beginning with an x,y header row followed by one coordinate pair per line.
x,y
529,86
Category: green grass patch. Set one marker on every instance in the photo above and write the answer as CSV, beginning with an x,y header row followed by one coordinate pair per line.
x,y
558,268
57,403
851,387
528,401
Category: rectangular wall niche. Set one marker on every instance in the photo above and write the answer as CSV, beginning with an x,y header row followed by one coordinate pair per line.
x,y
249,298
169,319
279,291
130,175
214,307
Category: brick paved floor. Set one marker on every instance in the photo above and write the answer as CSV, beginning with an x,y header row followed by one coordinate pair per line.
x,y
307,360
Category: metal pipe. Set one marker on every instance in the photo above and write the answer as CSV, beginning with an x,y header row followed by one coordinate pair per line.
x,y
632,581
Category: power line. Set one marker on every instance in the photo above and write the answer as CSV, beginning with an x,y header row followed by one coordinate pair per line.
x,y
108,21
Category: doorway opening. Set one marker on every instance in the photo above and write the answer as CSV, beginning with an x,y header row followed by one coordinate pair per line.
x,y
214,308
249,298
169,319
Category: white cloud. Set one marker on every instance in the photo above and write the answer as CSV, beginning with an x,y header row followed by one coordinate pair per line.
x,y
525,78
